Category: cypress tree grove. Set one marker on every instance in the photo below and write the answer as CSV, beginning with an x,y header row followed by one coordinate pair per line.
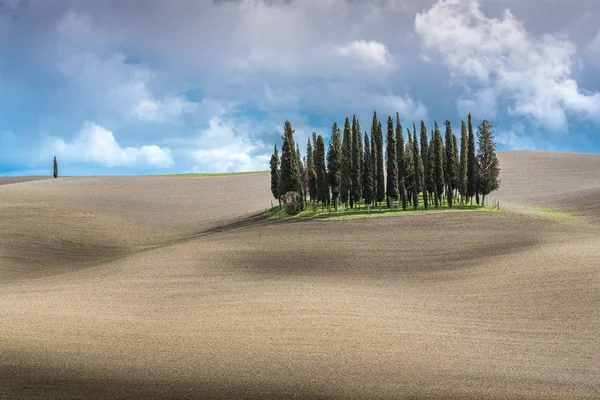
x,y
55,168
456,160
380,171
274,163
418,166
471,164
449,176
312,173
488,169
357,163
368,174
438,164
289,178
334,164
392,164
346,166
425,161
321,171
401,161
464,145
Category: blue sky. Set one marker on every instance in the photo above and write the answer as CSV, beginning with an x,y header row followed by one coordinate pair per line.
x,y
113,87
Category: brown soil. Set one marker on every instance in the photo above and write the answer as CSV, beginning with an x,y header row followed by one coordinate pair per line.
x,y
462,305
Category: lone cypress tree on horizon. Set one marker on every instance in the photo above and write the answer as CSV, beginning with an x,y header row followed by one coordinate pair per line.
x,y
471,163
274,164
368,174
357,162
321,171
464,146
401,162
425,161
449,170
488,169
392,164
289,177
346,167
55,169
439,165
334,164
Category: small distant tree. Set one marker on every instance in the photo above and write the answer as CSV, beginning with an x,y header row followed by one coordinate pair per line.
x,y
346,166
464,146
392,164
488,167
334,164
357,162
55,170
401,162
471,164
321,171
368,175
274,163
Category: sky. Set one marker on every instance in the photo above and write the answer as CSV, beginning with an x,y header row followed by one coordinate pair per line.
x,y
160,86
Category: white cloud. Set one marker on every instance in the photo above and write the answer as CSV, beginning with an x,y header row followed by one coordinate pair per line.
x,y
224,146
515,139
371,52
96,145
503,60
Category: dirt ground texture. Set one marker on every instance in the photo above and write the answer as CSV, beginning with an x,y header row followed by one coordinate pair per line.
x,y
452,305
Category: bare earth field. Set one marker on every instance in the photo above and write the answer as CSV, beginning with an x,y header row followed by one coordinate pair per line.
x,y
451,305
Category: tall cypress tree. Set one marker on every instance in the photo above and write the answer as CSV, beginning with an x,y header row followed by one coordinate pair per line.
x,y
357,162
346,163
401,161
374,150
334,164
488,167
380,170
392,164
439,164
471,164
431,176
456,159
274,164
289,180
410,167
368,175
464,145
312,172
449,176
418,166
321,171
425,161
303,187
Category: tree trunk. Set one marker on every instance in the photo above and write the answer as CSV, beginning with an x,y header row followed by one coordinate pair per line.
x,y
483,201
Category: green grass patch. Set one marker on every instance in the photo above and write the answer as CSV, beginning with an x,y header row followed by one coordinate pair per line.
x,y
205,174
548,212
313,211
144,247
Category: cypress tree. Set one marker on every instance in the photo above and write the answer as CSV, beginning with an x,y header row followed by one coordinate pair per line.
x,y
368,174
431,175
289,178
380,170
374,125
302,177
464,145
321,171
357,163
410,167
312,172
346,166
488,167
456,168
418,166
334,164
274,163
471,164
55,169
392,164
438,164
425,161
449,176
401,161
